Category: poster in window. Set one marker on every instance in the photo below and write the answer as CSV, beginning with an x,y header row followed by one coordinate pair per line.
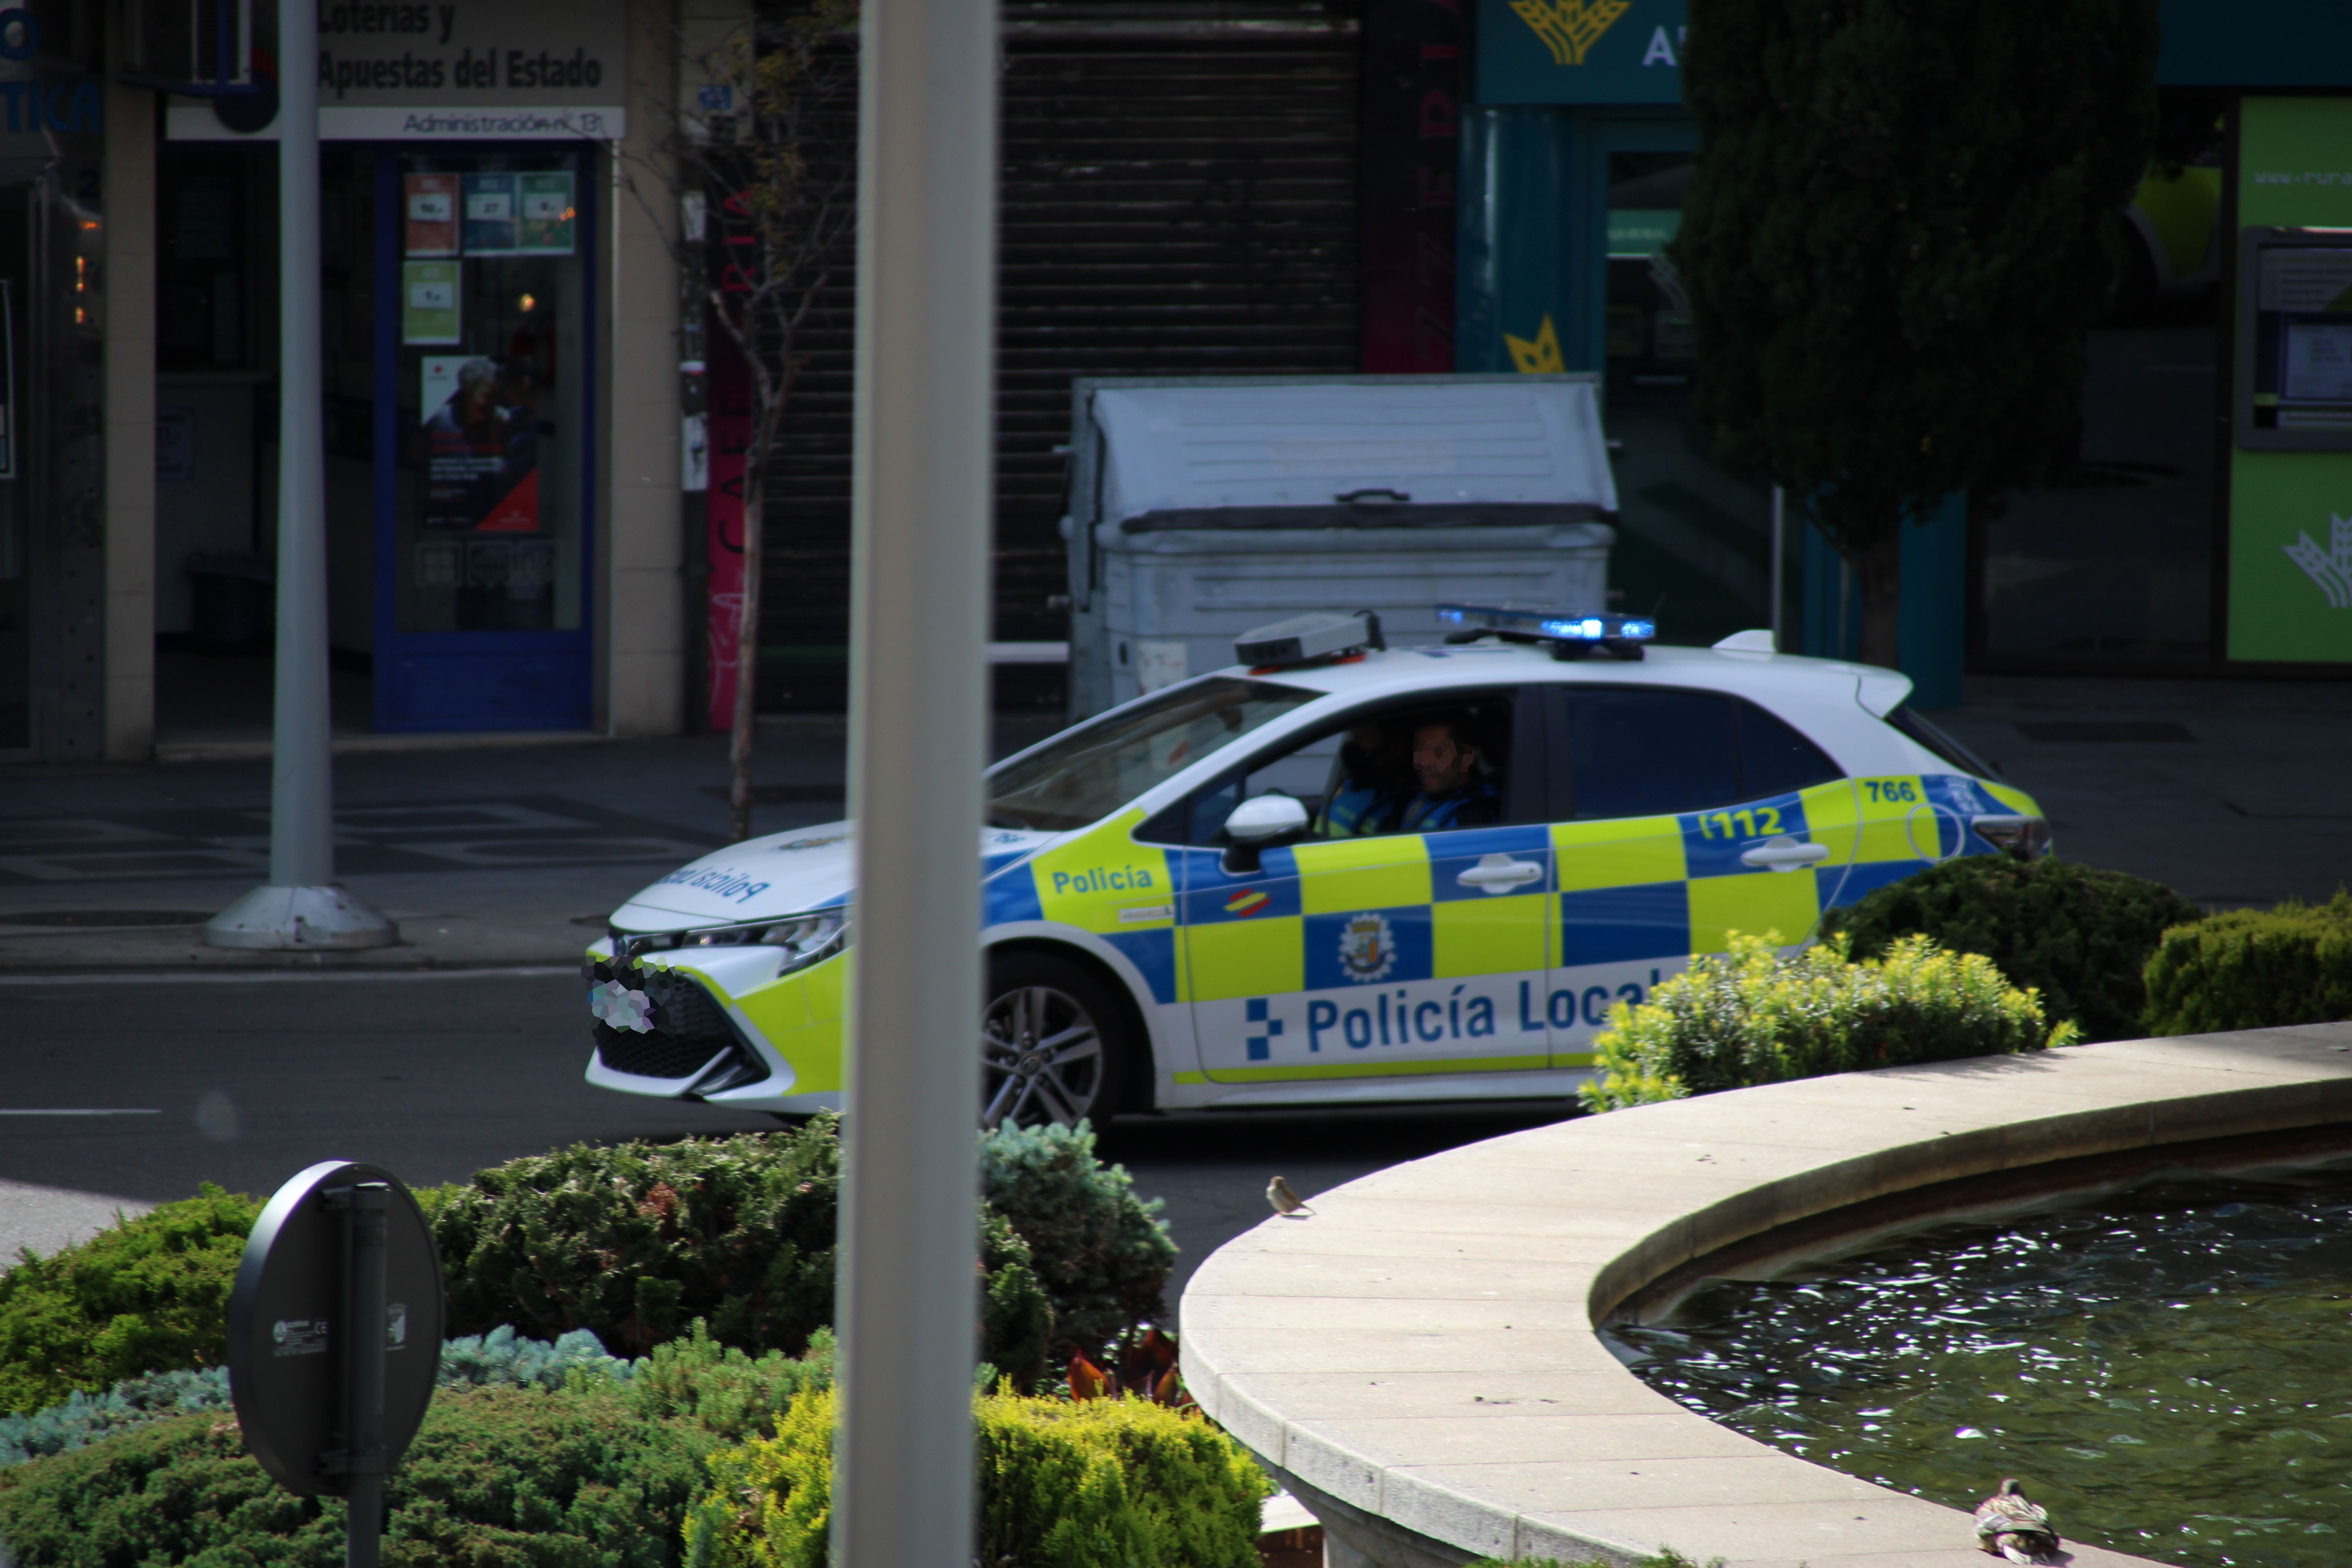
x,y
481,458
490,214
429,310
547,214
429,214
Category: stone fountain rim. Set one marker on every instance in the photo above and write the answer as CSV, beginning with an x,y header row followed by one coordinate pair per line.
x,y
1418,1359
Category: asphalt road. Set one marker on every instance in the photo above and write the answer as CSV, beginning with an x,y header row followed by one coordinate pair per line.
x,y
244,1080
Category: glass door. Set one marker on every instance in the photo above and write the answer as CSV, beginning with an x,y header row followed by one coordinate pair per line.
x,y
483,482
1694,543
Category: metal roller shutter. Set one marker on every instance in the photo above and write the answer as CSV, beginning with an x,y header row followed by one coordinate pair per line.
x,y
1180,197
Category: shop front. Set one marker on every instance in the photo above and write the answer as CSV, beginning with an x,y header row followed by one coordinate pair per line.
x,y
462,167
53,310
2193,527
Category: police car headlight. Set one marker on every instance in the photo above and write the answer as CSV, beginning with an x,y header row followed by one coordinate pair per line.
x,y
808,939
805,938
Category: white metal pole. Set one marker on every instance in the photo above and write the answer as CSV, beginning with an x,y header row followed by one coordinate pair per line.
x,y
918,697
301,908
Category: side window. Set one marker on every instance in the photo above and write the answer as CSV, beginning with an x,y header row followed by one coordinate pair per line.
x,y
1651,753
1357,777
1774,759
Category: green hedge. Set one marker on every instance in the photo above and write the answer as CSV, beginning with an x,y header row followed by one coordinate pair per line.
x,y
150,1294
1101,1253
2254,969
1106,1483
597,1473
631,1242
1750,1017
636,1240
2079,936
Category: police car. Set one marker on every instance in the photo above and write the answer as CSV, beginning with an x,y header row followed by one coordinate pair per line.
x,y
1337,872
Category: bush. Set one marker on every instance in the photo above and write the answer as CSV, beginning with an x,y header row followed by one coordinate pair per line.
x,y
597,1472
1101,1253
2253,969
149,1295
85,1418
2079,936
636,1240
1750,1017
1110,1483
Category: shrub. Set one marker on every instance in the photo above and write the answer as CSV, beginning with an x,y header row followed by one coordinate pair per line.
x,y
84,1418
596,1472
1101,1253
2253,969
635,1241
1107,1484
1750,1017
150,1294
2079,936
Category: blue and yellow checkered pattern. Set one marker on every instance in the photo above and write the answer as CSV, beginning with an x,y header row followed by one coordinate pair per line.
x,y
1609,891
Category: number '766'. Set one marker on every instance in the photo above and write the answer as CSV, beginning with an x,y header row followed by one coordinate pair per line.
x,y
1891,789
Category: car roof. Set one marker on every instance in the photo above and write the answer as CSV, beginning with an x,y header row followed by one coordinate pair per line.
x,y
1400,670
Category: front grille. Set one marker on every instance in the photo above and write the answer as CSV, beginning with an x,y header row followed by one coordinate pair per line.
x,y
689,1029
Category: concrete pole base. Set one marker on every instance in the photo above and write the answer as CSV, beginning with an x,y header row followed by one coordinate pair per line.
x,y
301,920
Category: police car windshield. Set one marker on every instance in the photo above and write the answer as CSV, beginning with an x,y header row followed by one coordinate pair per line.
x,y
1084,775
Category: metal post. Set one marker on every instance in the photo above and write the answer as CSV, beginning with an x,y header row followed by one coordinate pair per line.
x,y
1779,562
362,1457
921,487
301,908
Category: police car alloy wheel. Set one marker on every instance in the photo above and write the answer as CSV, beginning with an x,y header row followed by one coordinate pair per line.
x,y
1052,1045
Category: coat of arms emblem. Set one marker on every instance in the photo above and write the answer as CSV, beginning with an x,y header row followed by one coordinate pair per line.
x,y
1366,948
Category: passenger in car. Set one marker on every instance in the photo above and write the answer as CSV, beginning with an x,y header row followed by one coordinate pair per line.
x,y
1454,792
1374,781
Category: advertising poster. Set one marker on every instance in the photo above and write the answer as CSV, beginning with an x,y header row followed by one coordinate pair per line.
x,y
429,212
428,303
490,225
482,463
2289,583
547,214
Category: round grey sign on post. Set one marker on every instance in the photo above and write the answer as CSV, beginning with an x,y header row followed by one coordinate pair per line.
x,y
288,1344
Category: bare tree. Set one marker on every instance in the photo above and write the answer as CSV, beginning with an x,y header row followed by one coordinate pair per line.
x,y
760,174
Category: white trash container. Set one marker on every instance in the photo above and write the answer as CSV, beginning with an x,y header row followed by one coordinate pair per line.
x,y
1204,508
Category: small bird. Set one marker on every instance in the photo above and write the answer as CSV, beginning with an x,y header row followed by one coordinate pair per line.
x,y
1286,1204
2010,1526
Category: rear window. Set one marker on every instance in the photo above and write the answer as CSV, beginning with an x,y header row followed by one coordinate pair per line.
x,y
1941,742
1646,752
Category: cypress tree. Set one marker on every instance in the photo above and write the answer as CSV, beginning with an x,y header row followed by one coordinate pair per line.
x,y
1902,222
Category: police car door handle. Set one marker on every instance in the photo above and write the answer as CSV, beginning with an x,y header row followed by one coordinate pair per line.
x,y
1784,854
1498,873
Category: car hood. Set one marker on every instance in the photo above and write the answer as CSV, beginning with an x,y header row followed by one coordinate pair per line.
x,y
807,869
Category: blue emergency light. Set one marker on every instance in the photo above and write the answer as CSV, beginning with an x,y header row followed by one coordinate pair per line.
x,y
1570,636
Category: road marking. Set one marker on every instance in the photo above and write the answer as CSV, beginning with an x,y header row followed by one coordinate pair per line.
x,y
151,977
4,1112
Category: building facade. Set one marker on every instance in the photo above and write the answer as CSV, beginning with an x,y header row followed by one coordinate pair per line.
x,y
2193,527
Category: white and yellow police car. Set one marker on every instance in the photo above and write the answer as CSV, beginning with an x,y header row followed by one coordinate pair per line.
x,y
1337,872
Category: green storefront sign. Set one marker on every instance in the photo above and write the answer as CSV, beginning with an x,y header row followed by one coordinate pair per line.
x,y
2291,512
1579,51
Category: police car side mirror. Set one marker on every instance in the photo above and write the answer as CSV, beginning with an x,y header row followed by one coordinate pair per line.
x,y
1257,823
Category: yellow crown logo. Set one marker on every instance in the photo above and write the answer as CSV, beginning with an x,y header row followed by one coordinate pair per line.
x,y
1569,28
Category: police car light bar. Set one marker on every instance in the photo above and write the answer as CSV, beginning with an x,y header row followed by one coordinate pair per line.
x,y
1303,638
1570,636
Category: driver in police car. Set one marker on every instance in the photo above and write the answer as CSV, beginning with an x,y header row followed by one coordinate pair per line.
x,y
1453,793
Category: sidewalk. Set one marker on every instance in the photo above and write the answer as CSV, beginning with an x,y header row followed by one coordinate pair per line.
x,y
2230,791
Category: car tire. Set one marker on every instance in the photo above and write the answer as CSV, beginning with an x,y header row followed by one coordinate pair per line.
x,y
1056,1044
